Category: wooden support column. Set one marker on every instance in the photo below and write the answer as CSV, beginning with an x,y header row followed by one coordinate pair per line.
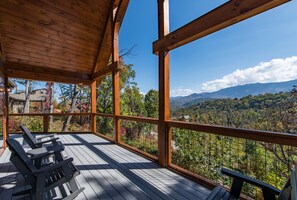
x,y
93,106
164,86
116,80
5,113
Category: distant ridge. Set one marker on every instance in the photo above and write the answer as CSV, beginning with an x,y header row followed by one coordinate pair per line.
x,y
232,92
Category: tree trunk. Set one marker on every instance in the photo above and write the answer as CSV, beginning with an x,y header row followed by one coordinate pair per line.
x,y
27,96
73,102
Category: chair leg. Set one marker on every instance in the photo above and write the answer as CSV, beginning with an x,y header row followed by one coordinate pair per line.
x,y
73,185
70,175
40,184
62,190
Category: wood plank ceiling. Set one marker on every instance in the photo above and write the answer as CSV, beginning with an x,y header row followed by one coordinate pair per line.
x,y
55,40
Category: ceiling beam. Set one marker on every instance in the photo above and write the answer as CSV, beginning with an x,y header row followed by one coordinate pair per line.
x,y
106,70
121,11
25,71
223,16
105,47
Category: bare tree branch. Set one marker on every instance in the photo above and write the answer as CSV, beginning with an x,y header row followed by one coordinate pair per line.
x,y
127,52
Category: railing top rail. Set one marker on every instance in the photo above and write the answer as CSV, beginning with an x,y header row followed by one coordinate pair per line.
x,y
46,114
104,114
257,135
139,119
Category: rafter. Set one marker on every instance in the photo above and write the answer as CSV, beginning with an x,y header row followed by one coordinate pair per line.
x,y
25,71
223,16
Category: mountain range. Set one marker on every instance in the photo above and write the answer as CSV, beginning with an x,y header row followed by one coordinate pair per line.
x,y
232,92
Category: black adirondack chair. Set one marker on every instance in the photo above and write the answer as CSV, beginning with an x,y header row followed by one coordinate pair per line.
x,y
41,147
45,179
289,191
45,155
39,142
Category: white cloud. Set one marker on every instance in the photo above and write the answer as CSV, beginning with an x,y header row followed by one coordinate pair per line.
x,y
276,70
180,92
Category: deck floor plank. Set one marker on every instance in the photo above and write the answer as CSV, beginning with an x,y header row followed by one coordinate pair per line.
x,y
154,175
98,185
165,181
124,187
109,171
123,168
89,192
146,175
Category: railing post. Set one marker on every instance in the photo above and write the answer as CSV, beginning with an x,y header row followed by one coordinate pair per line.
x,y
116,104
45,123
93,107
164,86
5,113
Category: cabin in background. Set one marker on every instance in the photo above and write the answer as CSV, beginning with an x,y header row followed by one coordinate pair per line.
x,y
17,101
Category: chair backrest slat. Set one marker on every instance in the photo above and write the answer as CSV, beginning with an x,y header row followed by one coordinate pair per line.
x,y
28,137
17,149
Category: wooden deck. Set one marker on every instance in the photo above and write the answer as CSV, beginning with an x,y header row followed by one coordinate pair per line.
x,y
110,172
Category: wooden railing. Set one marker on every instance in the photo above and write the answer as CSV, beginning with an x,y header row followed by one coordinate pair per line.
x,y
46,119
266,143
145,120
259,137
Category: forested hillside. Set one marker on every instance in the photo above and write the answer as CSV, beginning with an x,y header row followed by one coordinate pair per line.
x,y
238,91
204,153
271,112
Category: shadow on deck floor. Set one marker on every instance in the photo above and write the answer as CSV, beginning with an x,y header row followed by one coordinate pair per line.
x,y
109,171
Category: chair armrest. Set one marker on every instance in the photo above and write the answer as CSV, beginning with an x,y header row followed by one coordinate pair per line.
x,y
255,182
46,136
50,168
44,152
40,156
46,141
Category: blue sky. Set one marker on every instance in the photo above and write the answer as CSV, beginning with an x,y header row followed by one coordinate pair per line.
x,y
260,49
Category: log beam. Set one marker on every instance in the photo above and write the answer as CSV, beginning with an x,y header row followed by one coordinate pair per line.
x,y
164,87
106,70
104,49
121,10
223,16
25,71
117,19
